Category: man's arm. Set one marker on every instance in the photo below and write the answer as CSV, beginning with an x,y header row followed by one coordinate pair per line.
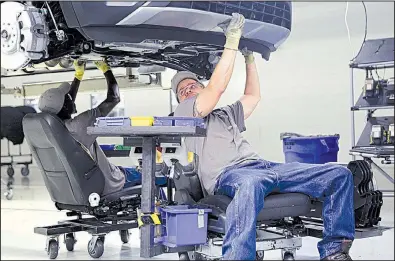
x,y
252,92
113,97
79,68
209,96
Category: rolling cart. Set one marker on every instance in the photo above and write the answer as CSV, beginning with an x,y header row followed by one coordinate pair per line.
x,y
377,138
10,160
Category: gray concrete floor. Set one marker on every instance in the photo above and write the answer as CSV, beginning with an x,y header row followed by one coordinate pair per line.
x,y
31,207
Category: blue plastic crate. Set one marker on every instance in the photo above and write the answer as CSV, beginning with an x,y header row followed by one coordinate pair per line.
x,y
107,147
311,149
178,121
180,222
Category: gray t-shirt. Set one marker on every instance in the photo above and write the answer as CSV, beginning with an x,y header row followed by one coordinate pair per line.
x,y
223,145
114,179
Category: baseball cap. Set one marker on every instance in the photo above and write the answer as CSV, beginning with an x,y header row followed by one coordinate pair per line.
x,y
52,100
179,77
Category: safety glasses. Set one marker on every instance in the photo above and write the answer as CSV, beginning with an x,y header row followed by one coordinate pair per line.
x,y
189,87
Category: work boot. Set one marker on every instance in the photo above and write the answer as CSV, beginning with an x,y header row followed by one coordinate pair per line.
x,y
343,253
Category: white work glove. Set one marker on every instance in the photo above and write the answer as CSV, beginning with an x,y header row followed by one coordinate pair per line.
x,y
248,55
79,67
233,30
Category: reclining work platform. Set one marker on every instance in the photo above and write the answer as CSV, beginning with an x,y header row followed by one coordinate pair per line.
x,y
75,183
285,219
283,222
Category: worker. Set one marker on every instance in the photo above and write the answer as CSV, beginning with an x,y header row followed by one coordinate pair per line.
x,y
228,164
61,101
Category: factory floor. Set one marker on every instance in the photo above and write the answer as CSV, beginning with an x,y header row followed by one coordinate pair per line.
x,y
31,207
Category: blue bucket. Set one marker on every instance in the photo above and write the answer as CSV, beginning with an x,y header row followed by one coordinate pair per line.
x,y
310,149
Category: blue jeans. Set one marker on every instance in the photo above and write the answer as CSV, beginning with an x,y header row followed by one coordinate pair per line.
x,y
133,177
249,183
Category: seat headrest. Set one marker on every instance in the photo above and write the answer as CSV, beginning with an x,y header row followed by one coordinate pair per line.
x,y
176,151
136,154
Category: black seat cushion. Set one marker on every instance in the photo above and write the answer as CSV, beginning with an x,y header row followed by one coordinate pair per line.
x,y
124,193
277,206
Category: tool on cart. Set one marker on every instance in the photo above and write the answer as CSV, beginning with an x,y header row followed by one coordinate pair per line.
x,y
377,135
370,89
391,134
389,92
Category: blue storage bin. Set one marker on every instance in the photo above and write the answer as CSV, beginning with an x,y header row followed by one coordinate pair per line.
x,y
107,147
183,225
311,149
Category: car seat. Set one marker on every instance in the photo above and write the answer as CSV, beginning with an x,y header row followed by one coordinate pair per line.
x,y
75,183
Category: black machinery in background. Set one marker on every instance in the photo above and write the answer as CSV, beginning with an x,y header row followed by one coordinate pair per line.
x,y
11,129
377,138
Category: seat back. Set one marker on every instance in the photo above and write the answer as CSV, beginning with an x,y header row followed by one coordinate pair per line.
x,y
70,174
187,166
190,184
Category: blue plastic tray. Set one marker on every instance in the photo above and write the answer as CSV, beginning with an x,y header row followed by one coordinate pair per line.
x,y
179,121
112,121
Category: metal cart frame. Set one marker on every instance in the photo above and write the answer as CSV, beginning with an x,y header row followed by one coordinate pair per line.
x,y
375,54
10,169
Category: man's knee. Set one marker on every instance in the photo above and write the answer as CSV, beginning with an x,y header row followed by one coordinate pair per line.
x,y
341,173
344,172
256,187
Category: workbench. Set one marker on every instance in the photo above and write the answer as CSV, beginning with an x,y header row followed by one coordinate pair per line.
x,y
151,137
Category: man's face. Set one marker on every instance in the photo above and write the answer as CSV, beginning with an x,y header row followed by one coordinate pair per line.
x,y
188,88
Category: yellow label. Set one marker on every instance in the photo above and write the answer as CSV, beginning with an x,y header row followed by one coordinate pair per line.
x,y
142,121
190,157
155,219
159,158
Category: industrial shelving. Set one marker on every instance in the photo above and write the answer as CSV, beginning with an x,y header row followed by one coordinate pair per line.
x,y
375,54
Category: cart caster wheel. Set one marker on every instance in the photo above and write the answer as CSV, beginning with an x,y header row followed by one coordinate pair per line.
x,y
183,256
259,255
9,194
10,171
53,249
124,236
69,241
96,250
288,256
25,171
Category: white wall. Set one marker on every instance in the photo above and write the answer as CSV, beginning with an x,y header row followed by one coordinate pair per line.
x,y
305,85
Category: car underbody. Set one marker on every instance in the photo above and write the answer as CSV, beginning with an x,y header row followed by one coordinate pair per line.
x,y
43,31
67,43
